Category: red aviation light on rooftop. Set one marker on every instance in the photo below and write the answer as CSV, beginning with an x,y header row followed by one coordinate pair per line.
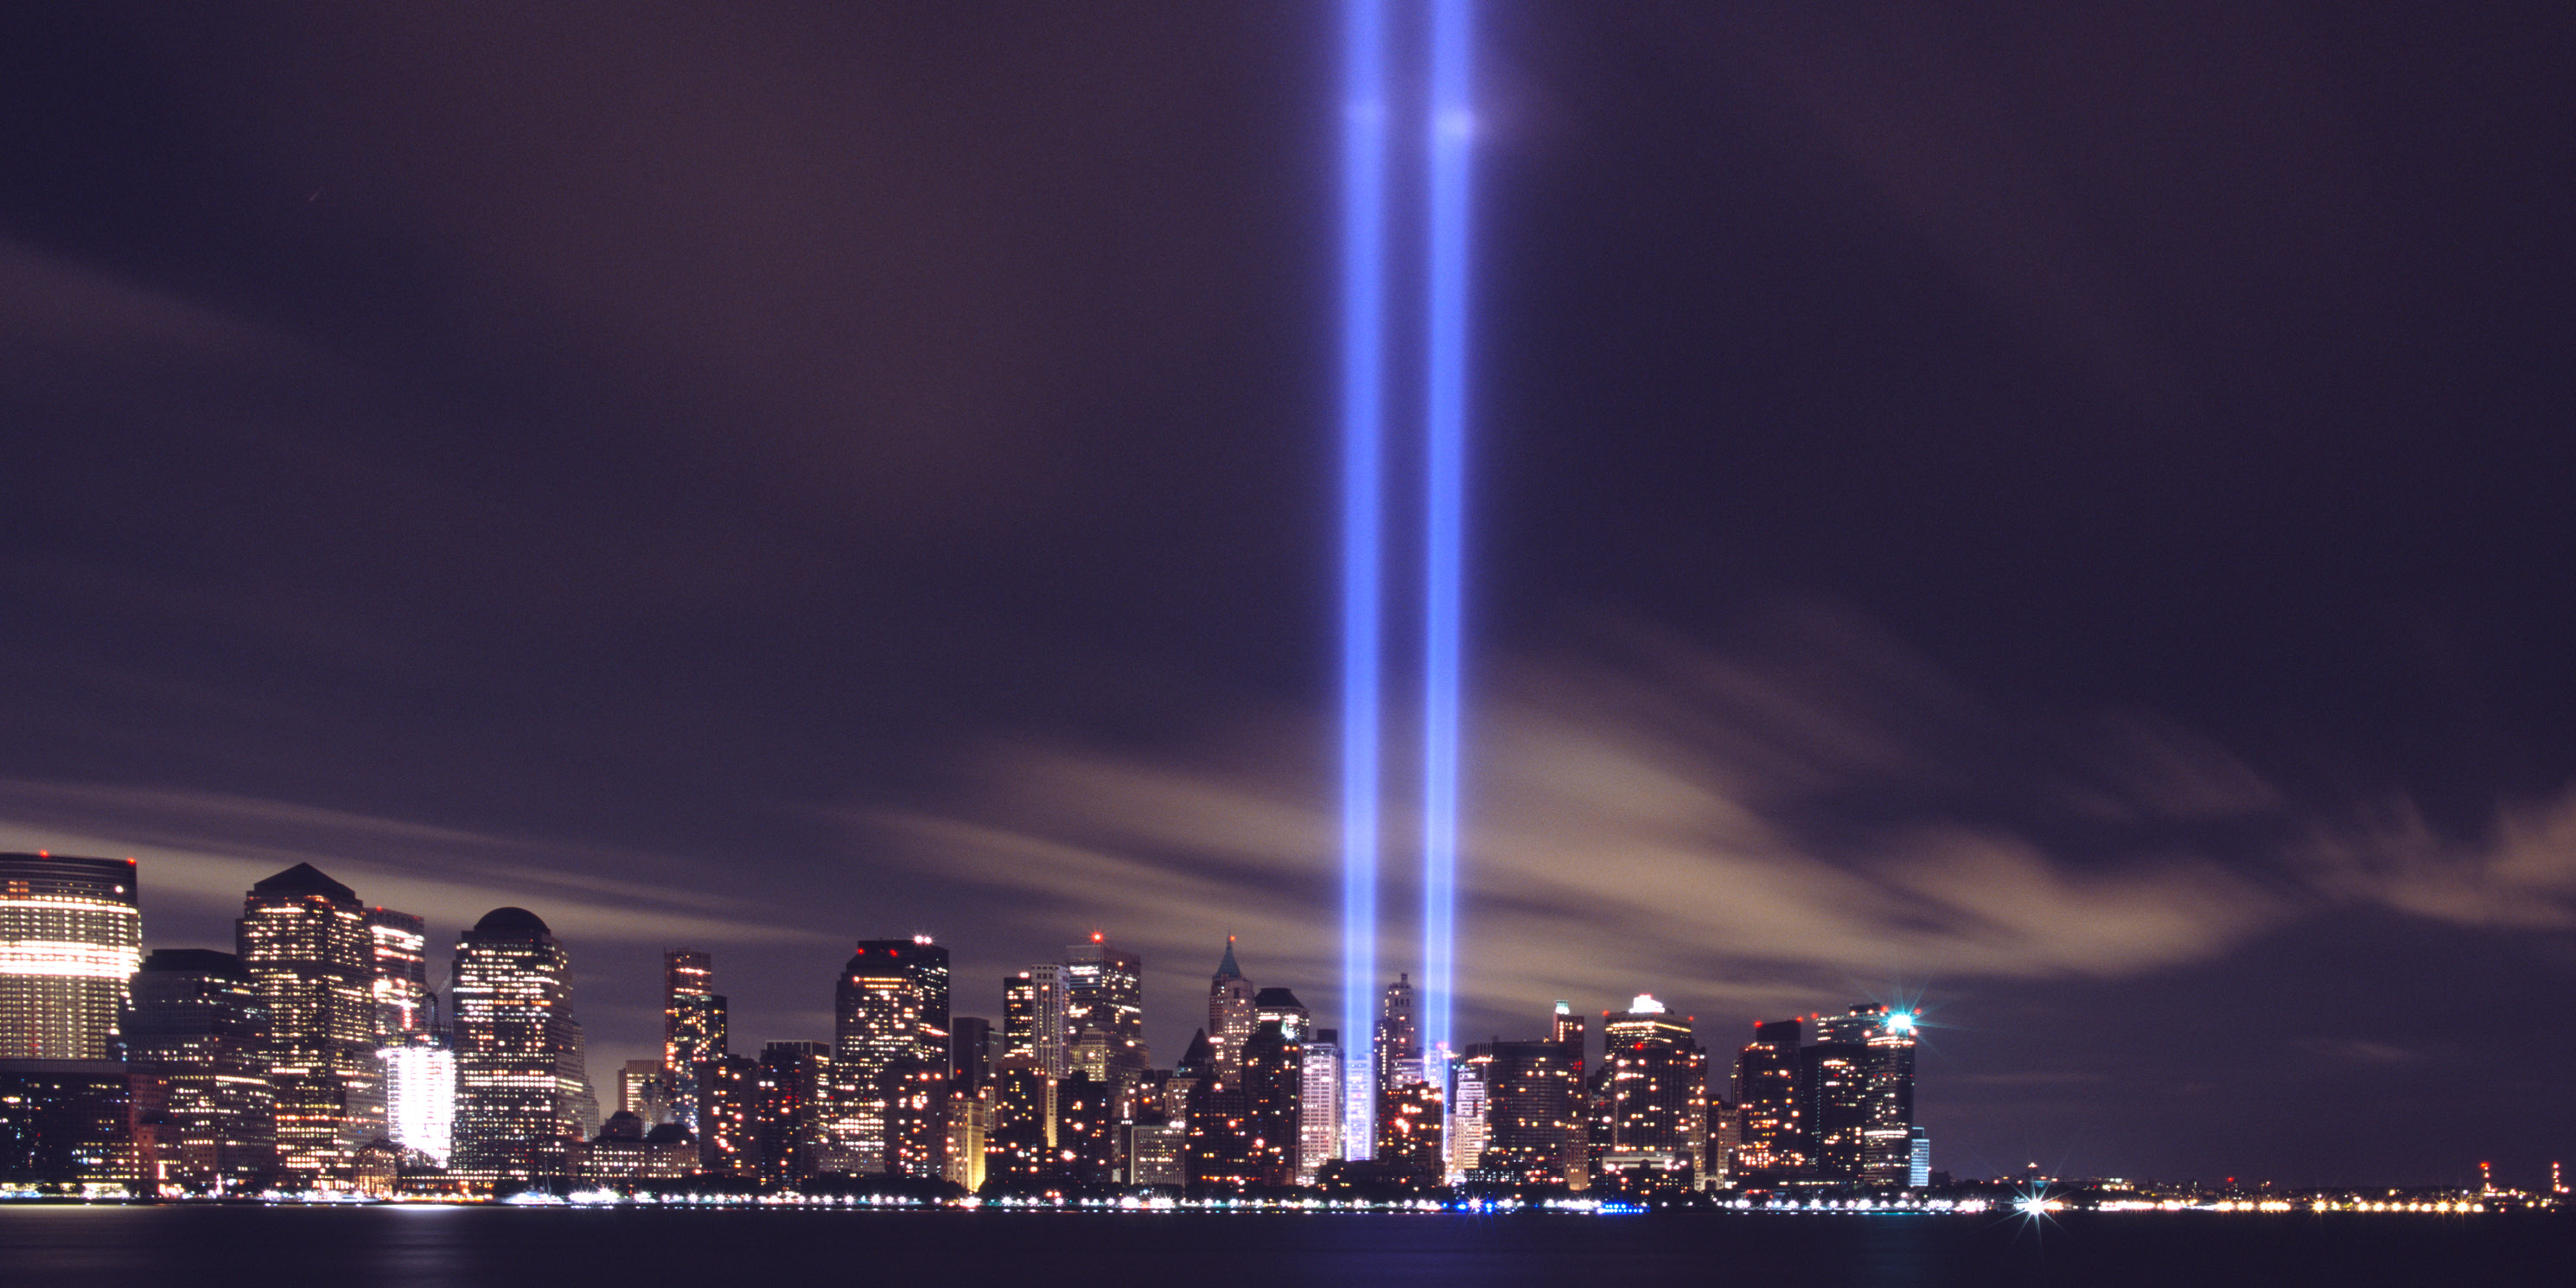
x,y
1095,936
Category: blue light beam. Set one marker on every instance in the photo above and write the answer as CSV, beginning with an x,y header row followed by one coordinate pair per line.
x,y
1364,121
1445,460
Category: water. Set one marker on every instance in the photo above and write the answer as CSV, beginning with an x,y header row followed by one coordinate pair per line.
x,y
429,1247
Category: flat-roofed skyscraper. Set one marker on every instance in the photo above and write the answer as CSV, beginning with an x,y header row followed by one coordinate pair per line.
x,y
1772,1135
791,1111
194,1036
890,1027
1533,1114
1319,1104
71,936
693,1028
1033,1018
517,1051
1888,1141
1656,1077
398,969
1833,1102
1272,1087
304,939
1105,1010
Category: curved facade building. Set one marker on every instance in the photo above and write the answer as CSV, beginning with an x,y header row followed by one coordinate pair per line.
x,y
518,1053
71,935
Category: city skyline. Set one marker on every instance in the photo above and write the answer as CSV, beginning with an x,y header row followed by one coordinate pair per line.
x,y
2050,514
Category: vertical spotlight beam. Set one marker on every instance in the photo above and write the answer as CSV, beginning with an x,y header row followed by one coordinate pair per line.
x,y
1364,120
1445,379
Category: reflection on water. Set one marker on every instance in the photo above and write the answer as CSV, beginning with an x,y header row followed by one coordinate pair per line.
x,y
486,1247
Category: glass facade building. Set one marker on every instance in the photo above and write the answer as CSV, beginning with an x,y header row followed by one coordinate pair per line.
x,y
71,936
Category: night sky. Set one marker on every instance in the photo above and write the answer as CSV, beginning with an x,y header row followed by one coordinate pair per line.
x,y
2061,513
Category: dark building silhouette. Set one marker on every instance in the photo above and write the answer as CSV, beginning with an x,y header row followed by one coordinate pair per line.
x,y
303,938
1217,1153
1086,1131
194,1038
1534,1133
970,1050
790,1118
1833,1106
65,1122
1272,1091
728,1126
1019,1147
1409,1135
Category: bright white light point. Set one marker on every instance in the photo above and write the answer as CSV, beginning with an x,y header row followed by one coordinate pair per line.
x,y
1901,1022
1645,1004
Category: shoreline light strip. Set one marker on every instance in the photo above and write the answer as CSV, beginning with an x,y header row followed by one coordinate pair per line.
x,y
1364,120
1445,416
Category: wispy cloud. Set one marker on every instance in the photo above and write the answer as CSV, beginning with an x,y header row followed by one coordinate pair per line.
x,y
2521,875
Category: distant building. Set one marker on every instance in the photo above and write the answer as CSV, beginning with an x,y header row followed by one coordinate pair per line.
x,y
629,1154
1020,1145
1272,1085
1397,1045
304,939
1319,1105
1534,1133
644,1091
71,935
398,976
970,1049
1086,1131
728,1127
890,1059
519,1080
1218,1157
1105,1011
970,1121
1408,1135
195,1038
1772,1136
420,1097
693,1030
791,1111
1918,1160
1033,1018
1229,1023
1888,1142
1833,1103
1654,1125
1158,1154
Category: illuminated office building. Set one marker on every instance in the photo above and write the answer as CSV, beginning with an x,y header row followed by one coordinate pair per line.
x,y
194,1037
1319,1098
1033,1017
71,936
1158,1154
518,1079
1889,1142
1653,1125
728,1128
1397,1044
693,1029
1086,1131
1229,1008
1272,1084
1464,1136
629,1154
1771,1137
304,939
1534,1133
420,1097
890,1059
644,1091
970,1121
1408,1135
790,1111
1833,1102
1105,1011
1019,1147
398,975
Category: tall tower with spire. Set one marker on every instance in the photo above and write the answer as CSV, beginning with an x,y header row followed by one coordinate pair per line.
x,y
1229,1023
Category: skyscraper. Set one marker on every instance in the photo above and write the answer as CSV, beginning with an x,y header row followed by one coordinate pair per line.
x,y
1533,1114
890,1029
304,939
1465,1133
518,1084
1105,1010
398,975
1888,1145
194,1036
1833,1101
1319,1104
1397,1050
1656,1111
71,936
1772,1134
1033,1017
1229,1012
728,1124
1408,1134
693,1029
970,1050
790,1113
1272,1087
